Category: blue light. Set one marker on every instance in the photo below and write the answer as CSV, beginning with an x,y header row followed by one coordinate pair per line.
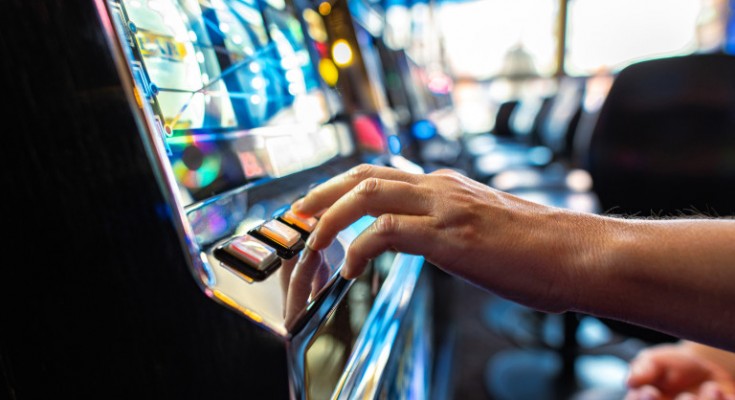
x,y
730,32
394,144
423,130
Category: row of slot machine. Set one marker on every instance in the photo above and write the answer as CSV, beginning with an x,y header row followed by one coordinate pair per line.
x,y
164,143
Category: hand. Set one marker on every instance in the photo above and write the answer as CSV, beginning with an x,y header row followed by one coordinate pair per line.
x,y
678,371
518,249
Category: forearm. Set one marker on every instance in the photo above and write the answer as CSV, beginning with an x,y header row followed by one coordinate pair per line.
x,y
673,276
676,276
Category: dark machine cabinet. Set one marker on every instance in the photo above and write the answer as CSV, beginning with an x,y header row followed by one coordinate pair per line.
x,y
110,286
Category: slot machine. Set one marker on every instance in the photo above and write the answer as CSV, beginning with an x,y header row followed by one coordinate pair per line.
x,y
397,47
162,143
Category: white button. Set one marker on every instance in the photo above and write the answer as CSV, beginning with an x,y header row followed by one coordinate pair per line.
x,y
252,251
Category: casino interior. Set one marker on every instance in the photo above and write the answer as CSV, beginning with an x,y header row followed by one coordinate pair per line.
x,y
156,147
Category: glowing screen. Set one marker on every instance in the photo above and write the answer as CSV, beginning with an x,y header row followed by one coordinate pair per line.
x,y
232,87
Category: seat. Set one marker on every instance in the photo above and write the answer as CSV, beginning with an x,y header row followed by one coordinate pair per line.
x,y
558,182
663,145
664,140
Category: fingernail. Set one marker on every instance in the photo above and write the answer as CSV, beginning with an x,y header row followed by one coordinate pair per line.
x,y
312,240
710,390
345,272
297,205
645,395
307,251
640,368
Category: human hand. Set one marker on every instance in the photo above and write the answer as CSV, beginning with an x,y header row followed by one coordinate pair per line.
x,y
514,247
678,372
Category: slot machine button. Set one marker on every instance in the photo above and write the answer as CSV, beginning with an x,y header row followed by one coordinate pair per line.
x,y
306,224
250,257
280,233
252,251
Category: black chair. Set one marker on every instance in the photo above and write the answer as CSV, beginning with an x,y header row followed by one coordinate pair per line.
x,y
663,145
664,140
503,127
556,182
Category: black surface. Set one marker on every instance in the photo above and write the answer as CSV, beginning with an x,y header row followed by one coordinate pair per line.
x,y
97,299
663,143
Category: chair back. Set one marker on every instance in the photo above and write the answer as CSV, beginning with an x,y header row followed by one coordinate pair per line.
x,y
664,140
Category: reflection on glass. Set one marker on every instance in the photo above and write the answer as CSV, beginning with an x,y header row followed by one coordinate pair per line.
x,y
232,88
328,352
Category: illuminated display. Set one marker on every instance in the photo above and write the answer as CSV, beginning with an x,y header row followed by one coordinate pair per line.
x,y
233,88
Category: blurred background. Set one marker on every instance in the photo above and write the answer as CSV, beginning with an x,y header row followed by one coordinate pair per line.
x,y
509,92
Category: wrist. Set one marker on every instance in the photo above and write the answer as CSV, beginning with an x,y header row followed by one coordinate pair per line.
x,y
581,255
596,249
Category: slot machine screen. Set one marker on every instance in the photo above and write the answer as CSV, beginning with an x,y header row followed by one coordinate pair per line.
x,y
233,91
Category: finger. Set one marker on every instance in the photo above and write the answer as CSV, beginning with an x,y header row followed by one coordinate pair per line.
x,y
686,396
403,233
285,271
645,392
711,390
300,284
643,371
328,192
373,197
319,282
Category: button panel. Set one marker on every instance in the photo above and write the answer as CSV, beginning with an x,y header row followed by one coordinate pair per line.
x,y
260,252
286,240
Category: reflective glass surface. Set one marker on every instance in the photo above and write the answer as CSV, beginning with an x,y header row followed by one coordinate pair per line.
x,y
233,90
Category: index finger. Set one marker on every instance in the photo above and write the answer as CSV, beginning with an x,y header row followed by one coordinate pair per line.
x,y
330,191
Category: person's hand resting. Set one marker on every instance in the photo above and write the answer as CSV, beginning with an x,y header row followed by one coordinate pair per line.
x,y
489,237
547,258
681,371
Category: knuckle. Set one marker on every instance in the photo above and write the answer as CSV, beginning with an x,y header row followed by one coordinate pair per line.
x,y
386,225
445,171
360,172
368,187
447,174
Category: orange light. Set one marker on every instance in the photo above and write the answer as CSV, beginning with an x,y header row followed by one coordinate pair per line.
x,y
325,8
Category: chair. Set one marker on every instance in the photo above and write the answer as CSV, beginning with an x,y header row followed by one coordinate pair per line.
x,y
558,182
664,140
663,143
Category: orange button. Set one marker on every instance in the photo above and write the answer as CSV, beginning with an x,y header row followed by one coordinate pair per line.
x,y
280,233
304,223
